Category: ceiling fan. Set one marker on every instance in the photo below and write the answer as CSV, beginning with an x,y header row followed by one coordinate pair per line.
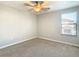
x,y
37,6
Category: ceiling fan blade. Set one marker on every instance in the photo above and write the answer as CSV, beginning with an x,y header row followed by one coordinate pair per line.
x,y
45,3
26,4
45,9
41,2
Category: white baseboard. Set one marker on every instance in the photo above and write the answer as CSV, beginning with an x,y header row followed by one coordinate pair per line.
x,y
41,38
59,41
18,42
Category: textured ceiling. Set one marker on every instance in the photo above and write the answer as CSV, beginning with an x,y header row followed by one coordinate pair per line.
x,y
53,5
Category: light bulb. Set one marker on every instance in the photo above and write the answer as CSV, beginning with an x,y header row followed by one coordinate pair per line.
x,y
37,7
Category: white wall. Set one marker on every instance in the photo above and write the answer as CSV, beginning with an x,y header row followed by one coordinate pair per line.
x,y
50,27
16,25
19,25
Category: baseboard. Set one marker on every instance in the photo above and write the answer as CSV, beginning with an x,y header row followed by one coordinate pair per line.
x,y
42,37
18,42
59,41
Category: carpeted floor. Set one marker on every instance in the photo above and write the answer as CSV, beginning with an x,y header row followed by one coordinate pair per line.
x,y
40,48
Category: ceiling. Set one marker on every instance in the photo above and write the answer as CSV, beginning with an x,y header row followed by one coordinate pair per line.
x,y
53,5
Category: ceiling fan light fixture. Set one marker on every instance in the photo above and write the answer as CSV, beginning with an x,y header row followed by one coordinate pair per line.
x,y
37,7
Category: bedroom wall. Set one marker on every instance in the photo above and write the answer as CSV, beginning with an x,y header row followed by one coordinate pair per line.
x,y
50,27
16,26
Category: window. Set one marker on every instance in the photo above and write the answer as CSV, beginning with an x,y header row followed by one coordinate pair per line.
x,y
69,21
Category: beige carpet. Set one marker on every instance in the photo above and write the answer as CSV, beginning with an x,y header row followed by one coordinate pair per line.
x,y
40,48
